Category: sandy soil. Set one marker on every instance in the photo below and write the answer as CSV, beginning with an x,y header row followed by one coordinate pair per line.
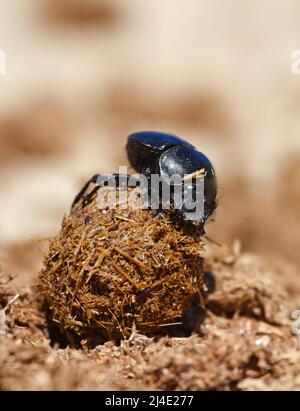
x,y
244,342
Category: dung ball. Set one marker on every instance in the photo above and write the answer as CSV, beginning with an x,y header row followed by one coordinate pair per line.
x,y
118,269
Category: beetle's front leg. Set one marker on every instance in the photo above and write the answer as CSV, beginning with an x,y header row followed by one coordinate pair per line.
x,y
101,180
81,193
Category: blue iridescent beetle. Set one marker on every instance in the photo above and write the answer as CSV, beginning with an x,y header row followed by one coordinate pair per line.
x,y
152,152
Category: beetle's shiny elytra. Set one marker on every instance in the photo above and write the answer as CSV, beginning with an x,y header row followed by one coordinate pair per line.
x,y
152,152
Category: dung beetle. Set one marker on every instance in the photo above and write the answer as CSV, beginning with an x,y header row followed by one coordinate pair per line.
x,y
156,153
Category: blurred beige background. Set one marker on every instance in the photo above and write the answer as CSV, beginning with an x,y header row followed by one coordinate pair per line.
x,y
83,74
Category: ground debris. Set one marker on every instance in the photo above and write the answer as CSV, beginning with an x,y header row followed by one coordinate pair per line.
x,y
241,351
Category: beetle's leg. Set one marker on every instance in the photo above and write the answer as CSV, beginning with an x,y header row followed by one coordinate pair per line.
x,y
84,188
121,180
155,198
